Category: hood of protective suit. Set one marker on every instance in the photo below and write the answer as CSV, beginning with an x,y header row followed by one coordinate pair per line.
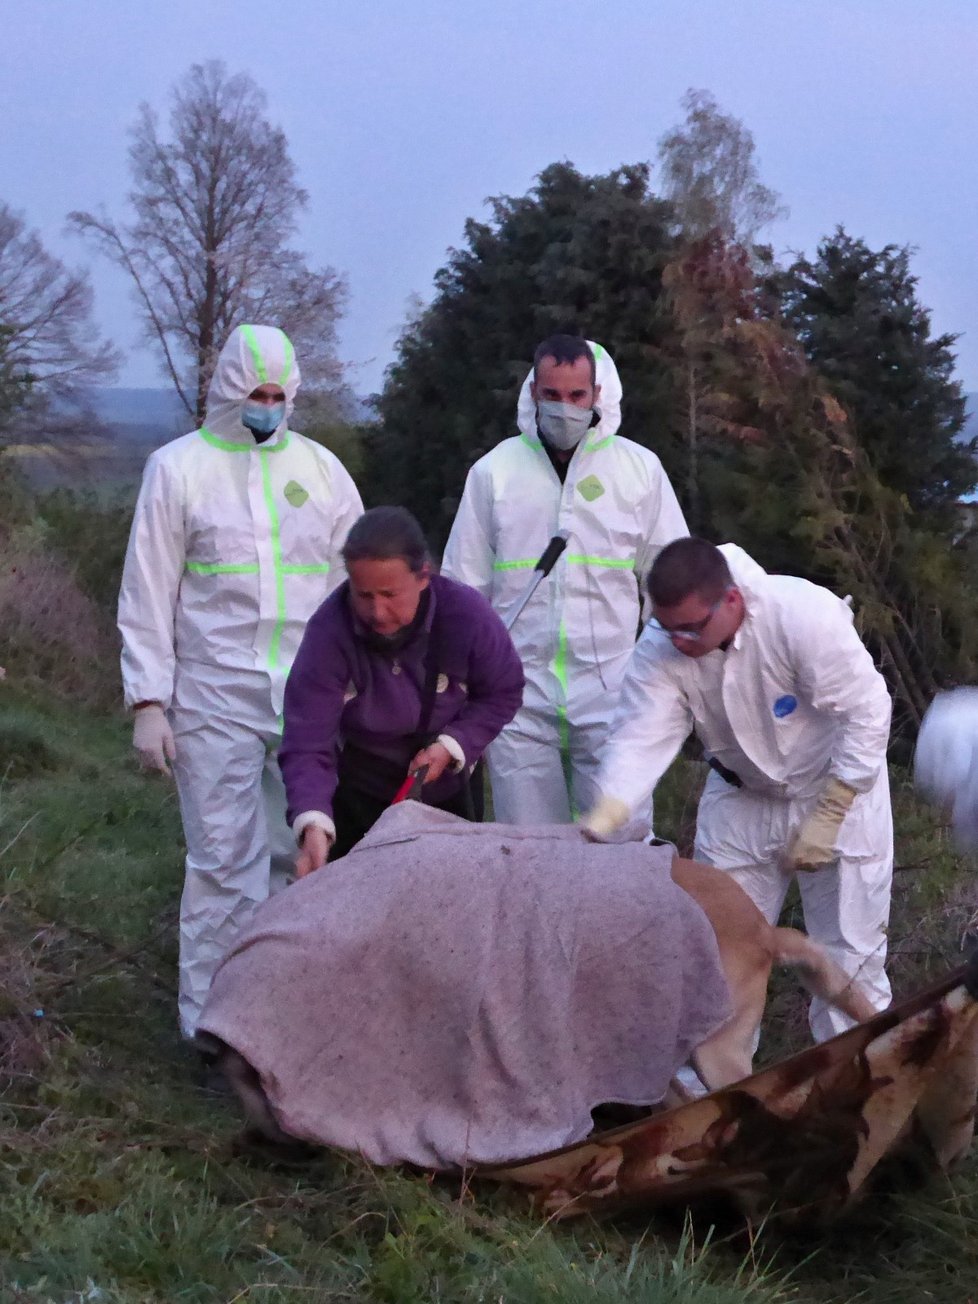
x,y
609,404
252,356
747,574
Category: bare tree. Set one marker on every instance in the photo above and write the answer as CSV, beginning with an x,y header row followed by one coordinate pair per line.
x,y
710,175
214,209
50,352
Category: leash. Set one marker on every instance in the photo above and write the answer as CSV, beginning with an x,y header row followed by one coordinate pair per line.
x,y
410,789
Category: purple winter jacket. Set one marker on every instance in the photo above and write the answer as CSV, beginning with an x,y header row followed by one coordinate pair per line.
x,y
341,689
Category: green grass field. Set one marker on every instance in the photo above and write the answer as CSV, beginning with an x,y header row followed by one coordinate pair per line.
x,y
122,1179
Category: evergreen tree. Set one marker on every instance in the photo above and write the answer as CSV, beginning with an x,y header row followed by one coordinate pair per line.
x,y
783,473
580,254
858,318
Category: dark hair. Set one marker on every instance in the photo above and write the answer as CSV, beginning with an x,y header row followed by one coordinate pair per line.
x,y
386,533
688,566
565,349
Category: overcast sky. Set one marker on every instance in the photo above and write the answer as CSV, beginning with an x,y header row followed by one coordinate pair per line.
x,y
403,118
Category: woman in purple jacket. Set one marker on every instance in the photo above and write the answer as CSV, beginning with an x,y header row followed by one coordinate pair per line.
x,y
397,669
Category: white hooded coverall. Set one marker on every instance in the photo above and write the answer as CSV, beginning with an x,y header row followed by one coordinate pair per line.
x,y
946,760
234,545
576,633
794,701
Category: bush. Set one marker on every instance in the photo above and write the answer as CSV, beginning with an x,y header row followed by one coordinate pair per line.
x,y
60,569
90,536
24,749
52,635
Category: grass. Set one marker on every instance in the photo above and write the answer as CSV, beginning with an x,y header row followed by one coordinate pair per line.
x,y
123,1181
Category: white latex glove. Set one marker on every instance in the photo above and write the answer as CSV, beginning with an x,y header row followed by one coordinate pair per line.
x,y
152,738
605,817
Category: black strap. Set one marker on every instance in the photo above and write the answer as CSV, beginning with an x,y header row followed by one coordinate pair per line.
x,y
432,659
472,806
728,776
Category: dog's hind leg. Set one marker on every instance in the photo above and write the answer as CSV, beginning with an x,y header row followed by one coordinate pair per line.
x,y
725,1057
821,974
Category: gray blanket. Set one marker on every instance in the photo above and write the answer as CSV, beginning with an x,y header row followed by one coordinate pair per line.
x,y
454,993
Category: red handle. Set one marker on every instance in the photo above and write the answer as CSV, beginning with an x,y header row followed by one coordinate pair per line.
x,y
412,785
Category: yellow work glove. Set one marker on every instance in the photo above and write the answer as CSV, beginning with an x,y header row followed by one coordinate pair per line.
x,y
813,846
605,817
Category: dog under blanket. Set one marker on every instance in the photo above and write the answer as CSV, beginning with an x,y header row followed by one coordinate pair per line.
x,y
452,993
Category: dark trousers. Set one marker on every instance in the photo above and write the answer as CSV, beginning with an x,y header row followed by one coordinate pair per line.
x,y
355,812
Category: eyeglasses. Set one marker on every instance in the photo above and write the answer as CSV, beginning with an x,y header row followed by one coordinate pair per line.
x,y
691,633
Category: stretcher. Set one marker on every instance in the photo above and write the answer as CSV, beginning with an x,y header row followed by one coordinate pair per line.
x,y
800,1140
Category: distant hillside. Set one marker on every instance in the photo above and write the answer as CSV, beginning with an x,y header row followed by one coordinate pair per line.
x,y
130,424
135,421
142,415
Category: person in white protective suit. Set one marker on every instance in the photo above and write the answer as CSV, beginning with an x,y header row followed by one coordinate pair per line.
x,y
946,761
235,542
794,719
568,469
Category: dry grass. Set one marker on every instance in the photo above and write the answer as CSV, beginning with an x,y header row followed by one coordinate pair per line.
x,y
51,633
26,1037
122,1181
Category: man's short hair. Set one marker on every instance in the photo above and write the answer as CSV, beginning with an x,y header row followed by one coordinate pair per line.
x,y
565,350
386,534
688,566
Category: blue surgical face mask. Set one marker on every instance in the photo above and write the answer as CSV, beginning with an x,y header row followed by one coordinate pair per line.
x,y
261,419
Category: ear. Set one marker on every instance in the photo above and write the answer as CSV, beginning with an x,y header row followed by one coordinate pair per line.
x,y
424,575
597,395
533,390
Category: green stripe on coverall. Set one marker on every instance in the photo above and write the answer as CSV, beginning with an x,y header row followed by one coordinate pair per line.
x,y
563,728
289,359
590,446
218,568
560,659
226,446
251,339
619,563
575,559
251,568
273,521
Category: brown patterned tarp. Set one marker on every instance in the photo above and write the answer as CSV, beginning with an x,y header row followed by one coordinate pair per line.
x,y
800,1139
